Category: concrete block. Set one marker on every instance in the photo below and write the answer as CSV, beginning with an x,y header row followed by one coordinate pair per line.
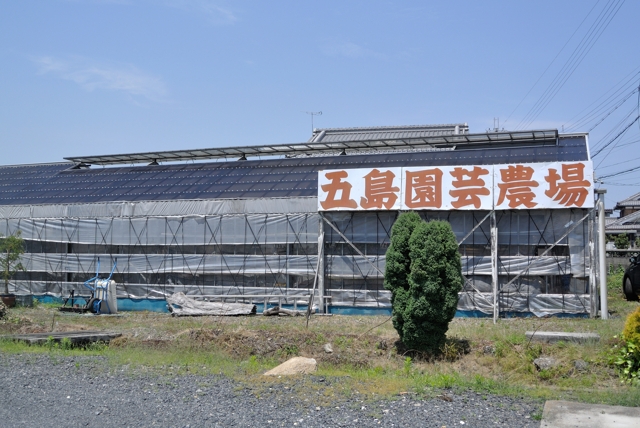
x,y
559,336
566,414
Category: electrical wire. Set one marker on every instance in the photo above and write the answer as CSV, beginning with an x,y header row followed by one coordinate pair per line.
x,y
552,61
608,113
626,83
584,47
573,62
570,67
635,168
599,147
615,138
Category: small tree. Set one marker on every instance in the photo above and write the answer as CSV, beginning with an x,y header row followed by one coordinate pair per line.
x,y
11,248
424,294
398,265
621,241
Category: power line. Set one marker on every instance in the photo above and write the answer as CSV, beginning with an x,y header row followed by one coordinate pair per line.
x,y
616,137
552,61
635,168
612,110
615,129
624,83
584,47
576,58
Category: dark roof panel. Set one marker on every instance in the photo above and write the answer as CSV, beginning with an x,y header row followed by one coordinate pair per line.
x,y
284,177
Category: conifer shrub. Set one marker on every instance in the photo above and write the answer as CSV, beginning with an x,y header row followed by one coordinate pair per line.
x,y
424,281
398,263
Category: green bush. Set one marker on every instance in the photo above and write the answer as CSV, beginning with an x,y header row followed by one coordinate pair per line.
x,y
398,262
627,356
425,284
631,332
622,241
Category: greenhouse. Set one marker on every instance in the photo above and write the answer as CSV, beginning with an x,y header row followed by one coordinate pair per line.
x,y
263,224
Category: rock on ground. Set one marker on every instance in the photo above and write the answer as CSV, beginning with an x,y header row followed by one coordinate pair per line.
x,y
294,366
545,363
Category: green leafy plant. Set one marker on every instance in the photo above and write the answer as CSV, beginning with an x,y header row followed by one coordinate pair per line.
x,y
626,356
627,361
66,344
406,368
425,282
11,248
51,343
621,241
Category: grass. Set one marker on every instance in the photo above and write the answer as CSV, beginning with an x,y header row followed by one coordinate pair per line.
x,y
479,355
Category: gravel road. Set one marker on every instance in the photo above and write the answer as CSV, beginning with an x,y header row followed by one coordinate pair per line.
x,y
47,391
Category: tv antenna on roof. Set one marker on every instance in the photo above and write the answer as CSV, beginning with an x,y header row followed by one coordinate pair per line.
x,y
313,113
496,125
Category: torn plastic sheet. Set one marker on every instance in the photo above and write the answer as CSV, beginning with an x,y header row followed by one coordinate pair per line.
x,y
181,305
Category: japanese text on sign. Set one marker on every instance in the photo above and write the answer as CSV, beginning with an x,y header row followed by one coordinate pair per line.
x,y
474,187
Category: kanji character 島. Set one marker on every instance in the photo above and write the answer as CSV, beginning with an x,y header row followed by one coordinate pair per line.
x,y
379,190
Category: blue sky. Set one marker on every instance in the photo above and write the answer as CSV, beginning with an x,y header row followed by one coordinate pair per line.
x,y
102,77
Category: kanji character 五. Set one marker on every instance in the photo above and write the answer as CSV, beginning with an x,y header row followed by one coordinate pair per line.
x,y
332,189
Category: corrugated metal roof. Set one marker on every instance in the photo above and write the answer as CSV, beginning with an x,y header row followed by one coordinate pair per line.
x,y
284,177
631,201
335,135
629,223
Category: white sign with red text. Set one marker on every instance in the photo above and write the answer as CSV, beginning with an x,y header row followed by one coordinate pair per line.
x,y
474,187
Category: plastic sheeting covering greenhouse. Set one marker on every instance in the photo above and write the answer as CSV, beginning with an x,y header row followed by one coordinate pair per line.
x,y
270,247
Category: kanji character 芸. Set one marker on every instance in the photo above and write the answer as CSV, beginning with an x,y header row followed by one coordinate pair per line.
x,y
468,191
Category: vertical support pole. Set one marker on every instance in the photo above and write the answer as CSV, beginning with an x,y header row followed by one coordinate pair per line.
x,y
494,266
602,261
320,273
593,291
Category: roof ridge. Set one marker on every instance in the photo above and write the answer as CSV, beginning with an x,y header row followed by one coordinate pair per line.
x,y
392,127
620,221
37,164
630,198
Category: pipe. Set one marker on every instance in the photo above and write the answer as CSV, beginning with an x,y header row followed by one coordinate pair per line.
x,y
602,262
